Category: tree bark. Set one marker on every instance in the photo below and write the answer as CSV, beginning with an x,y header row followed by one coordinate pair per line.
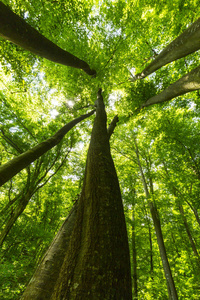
x,y
16,30
112,126
14,166
186,43
134,252
188,83
97,264
44,279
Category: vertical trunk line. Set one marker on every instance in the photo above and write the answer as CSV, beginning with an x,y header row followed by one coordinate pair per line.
x,y
134,251
156,220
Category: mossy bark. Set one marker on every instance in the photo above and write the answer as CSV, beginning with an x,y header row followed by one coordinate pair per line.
x,y
16,30
186,43
97,263
14,166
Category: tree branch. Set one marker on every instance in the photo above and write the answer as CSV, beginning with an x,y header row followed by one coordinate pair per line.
x,y
16,30
112,126
11,168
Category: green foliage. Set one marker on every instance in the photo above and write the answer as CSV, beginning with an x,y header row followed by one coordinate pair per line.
x,y
169,148
37,97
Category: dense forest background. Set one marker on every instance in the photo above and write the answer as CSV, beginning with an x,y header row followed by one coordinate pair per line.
x,y
155,151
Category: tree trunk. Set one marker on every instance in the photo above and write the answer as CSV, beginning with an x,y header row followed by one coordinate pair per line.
x,y
188,83
134,252
192,242
196,214
97,263
168,274
156,220
16,30
44,279
23,201
14,166
186,43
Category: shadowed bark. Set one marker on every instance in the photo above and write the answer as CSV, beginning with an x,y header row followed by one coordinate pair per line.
x,y
97,263
43,281
16,30
188,83
186,43
14,166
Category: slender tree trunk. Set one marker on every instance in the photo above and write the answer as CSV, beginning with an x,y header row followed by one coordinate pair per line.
x,y
23,201
168,275
192,242
188,83
186,43
151,250
134,252
191,206
16,30
174,242
196,214
44,279
97,263
175,190
150,241
14,166
156,220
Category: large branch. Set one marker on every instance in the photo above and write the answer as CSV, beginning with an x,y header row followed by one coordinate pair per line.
x,y
188,83
11,168
112,126
16,30
186,43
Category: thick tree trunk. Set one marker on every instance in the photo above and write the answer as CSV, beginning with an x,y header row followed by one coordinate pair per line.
x,y
16,30
97,264
14,166
186,43
156,221
188,83
44,279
